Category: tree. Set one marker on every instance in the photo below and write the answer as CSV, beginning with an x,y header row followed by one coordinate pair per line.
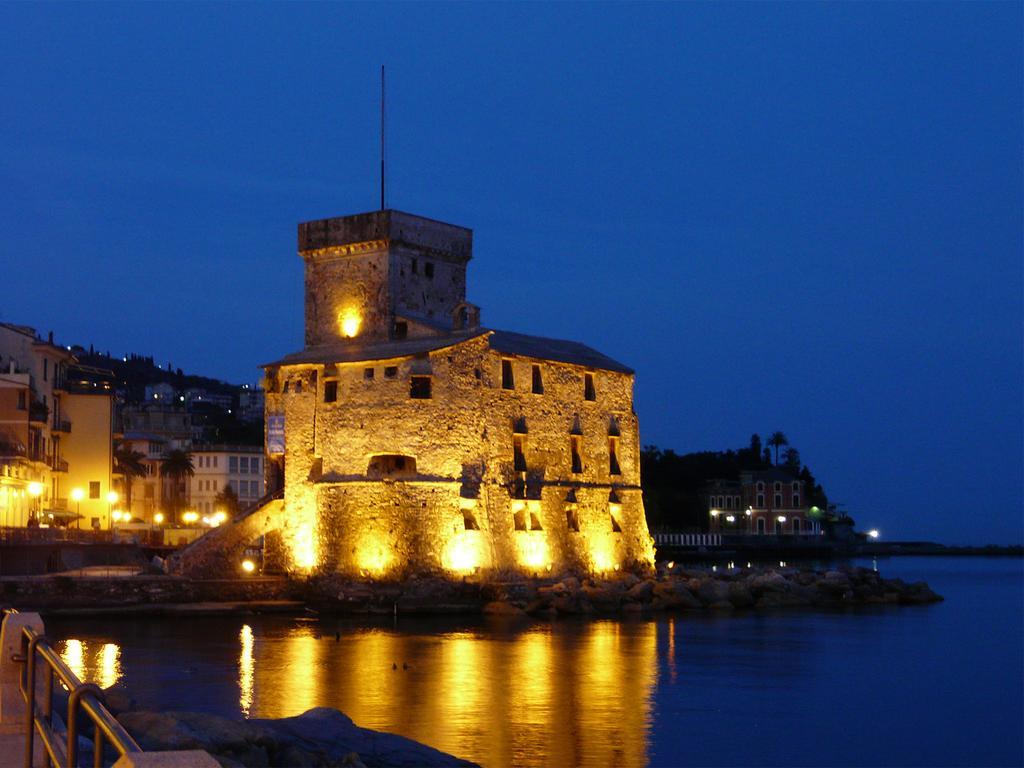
x,y
227,501
777,440
128,462
176,465
792,460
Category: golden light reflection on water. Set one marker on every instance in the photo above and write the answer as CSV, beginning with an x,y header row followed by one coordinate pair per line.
x,y
545,695
98,663
245,667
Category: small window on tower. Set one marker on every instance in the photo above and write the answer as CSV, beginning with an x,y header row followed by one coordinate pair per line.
x,y
588,387
428,269
368,374
538,381
401,329
415,266
419,387
577,461
613,457
507,379
390,372
518,456
330,391
572,519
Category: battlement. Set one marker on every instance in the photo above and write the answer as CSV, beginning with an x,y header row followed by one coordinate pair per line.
x,y
388,228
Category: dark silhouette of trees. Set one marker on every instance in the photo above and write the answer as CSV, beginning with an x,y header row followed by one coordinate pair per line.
x,y
227,501
177,465
777,440
128,463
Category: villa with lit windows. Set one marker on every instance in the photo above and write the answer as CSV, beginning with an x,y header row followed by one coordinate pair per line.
x,y
408,438
762,502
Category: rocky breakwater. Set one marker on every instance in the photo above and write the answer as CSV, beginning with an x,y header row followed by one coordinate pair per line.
x,y
735,589
319,738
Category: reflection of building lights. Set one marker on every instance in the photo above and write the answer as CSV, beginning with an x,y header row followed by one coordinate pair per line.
x,y
245,669
74,657
110,665
248,566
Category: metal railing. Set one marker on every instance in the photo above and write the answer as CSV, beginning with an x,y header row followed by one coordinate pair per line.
x,y
41,662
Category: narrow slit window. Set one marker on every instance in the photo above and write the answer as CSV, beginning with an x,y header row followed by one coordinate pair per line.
x,y
428,270
519,516
507,378
577,460
518,455
588,387
538,381
613,456
419,388
469,520
535,522
401,329
330,391
415,266
616,527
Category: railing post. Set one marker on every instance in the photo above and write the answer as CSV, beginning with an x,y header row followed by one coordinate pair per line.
x,y
12,705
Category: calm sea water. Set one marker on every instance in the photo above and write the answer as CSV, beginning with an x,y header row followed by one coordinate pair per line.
x,y
939,685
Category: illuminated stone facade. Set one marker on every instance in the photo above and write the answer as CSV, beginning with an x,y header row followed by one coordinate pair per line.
x,y
411,439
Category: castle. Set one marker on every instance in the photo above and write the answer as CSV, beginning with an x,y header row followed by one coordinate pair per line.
x,y
409,438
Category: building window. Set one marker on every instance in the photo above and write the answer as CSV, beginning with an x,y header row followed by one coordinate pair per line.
x,y
330,391
419,388
778,486
401,329
613,458
46,369
22,400
507,378
390,372
760,501
233,464
588,387
428,269
243,465
760,485
94,489
415,266
538,381
519,457
796,487
778,500
254,467
778,527
796,525
469,521
796,499
577,460
760,525
368,374
214,462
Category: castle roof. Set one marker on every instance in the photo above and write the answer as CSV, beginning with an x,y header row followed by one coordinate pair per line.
x,y
539,347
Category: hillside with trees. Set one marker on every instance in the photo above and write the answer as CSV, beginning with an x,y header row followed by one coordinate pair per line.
x,y
673,483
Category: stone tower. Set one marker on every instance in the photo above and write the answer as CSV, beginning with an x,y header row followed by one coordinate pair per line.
x,y
384,275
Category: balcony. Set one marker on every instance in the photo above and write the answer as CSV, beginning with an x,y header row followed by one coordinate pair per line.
x,y
12,450
38,413
59,465
62,425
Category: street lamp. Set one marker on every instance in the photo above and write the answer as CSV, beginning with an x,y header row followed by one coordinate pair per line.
x,y
873,533
77,494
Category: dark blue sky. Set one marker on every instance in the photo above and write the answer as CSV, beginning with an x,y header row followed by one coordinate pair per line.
x,y
799,216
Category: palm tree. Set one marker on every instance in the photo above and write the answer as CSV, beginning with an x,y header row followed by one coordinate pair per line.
x,y
177,465
128,463
777,440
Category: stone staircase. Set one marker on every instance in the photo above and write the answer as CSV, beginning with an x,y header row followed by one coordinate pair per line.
x,y
218,553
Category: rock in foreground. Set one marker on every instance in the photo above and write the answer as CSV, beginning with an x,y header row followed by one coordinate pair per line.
x,y
319,738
